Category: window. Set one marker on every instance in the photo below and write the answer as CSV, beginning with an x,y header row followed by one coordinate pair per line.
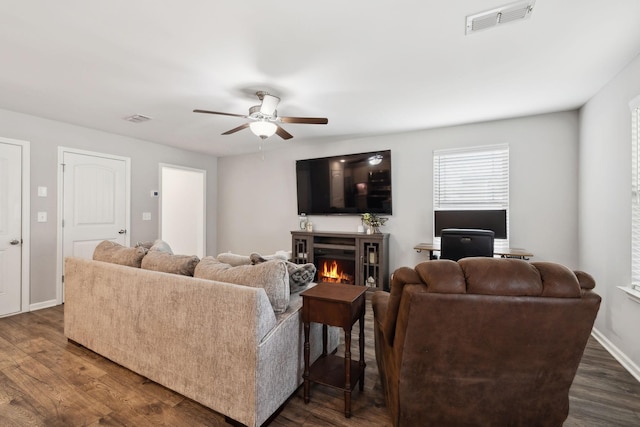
x,y
633,291
635,196
471,179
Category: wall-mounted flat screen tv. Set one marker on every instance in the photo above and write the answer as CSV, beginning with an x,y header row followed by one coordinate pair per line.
x,y
349,184
495,220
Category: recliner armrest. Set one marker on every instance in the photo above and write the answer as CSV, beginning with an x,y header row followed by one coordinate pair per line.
x,y
586,280
379,303
400,277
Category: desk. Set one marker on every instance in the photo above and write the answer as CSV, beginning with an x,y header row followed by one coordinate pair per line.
x,y
503,253
336,305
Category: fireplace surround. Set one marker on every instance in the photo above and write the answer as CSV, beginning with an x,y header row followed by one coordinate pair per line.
x,y
341,257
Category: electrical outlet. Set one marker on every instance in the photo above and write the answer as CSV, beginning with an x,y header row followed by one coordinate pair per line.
x,y
42,217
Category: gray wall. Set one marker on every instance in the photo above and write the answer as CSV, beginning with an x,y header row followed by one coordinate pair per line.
x,y
258,191
45,136
605,210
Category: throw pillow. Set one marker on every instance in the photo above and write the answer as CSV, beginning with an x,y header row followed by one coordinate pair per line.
x,y
170,263
300,275
146,245
161,246
233,260
256,258
115,253
272,276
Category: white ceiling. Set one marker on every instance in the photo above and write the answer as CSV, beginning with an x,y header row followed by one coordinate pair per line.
x,y
371,67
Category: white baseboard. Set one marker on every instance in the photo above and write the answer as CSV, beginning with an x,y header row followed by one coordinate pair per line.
x,y
43,304
617,354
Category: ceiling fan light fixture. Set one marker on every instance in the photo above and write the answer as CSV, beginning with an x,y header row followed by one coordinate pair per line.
x,y
263,118
262,128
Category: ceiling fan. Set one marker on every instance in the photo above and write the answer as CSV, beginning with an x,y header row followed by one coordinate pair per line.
x,y
265,120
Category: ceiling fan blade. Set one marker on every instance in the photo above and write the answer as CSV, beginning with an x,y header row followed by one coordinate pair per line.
x,y
234,130
283,133
222,114
269,104
306,120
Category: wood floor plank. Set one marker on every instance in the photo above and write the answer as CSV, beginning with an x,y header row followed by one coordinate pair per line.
x,y
60,402
46,380
11,332
10,355
17,414
15,405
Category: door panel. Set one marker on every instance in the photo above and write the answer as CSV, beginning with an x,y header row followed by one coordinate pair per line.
x,y
10,228
95,188
94,203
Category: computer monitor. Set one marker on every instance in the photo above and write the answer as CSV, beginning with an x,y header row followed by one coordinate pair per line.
x,y
486,219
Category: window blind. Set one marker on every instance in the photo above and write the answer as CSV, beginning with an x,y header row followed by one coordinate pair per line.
x,y
472,178
635,197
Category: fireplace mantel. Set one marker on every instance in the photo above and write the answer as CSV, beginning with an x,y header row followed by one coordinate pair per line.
x,y
369,253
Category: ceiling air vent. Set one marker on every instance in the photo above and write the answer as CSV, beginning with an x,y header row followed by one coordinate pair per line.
x,y
137,118
501,15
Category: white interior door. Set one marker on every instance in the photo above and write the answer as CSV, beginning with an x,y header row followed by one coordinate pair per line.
x,y
10,228
182,209
95,205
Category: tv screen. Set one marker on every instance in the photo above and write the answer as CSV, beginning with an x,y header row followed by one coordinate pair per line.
x,y
495,220
349,184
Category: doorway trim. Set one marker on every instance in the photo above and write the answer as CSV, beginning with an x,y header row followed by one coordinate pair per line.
x,y
60,242
25,297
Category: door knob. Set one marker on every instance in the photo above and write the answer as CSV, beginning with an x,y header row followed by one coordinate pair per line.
x,y
123,231
14,242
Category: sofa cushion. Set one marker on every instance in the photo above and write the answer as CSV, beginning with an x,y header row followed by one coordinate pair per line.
x,y
272,276
115,253
170,263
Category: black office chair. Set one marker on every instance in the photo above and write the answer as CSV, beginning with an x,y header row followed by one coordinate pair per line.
x,y
456,243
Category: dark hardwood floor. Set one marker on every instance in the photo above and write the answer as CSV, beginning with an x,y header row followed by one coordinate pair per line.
x,y
47,381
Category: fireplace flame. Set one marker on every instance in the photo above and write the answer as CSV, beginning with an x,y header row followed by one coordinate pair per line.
x,y
332,274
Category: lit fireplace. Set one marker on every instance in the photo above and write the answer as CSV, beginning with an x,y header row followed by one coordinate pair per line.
x,y
332,271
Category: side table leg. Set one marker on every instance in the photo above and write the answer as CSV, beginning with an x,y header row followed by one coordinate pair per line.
x,y
324,340
305,375
361,362
347,373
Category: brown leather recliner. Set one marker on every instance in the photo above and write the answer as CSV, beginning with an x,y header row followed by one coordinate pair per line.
x,y
482,341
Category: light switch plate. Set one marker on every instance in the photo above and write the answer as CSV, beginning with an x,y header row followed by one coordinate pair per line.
x,y
146,216
42,191
42,217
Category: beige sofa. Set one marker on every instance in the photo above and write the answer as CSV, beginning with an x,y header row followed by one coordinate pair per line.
x,y
217,343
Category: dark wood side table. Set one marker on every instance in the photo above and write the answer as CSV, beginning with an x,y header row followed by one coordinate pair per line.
x,y
334,305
